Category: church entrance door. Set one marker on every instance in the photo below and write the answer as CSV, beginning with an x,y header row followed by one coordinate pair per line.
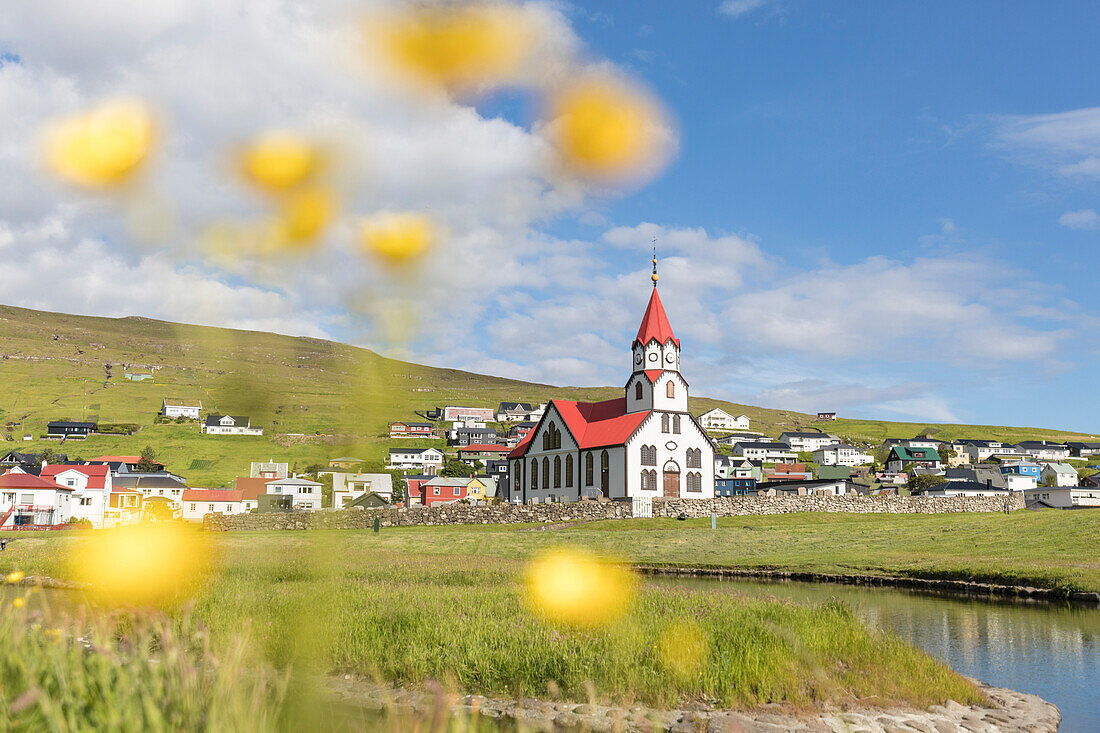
x,y
672,481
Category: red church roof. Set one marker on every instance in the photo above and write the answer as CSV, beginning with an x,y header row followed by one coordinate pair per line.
x,y
593,424
655,323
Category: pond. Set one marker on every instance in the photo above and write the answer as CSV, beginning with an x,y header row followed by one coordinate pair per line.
x,y
1051,650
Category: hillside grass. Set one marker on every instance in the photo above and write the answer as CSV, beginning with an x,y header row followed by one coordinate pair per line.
x,y
410,605
340,398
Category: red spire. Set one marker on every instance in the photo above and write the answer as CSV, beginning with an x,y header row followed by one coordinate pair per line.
x,y
655,323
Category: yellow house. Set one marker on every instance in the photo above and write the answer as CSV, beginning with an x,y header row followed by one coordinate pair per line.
x,y
478,490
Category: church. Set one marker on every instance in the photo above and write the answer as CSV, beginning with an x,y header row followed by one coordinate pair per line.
x,y
644,443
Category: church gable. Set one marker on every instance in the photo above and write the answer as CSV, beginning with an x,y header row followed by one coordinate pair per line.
x,y
552,433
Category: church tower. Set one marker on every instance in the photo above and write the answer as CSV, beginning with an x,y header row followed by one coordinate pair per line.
x,y
655,382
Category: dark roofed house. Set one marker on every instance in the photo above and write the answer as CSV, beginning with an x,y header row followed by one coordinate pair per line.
x,y
903,457
229,425
1083,450
68,429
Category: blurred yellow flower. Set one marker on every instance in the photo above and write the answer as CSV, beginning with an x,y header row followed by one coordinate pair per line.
x,y
398,238
279,160
578,589
683,648
14,576
303,215
142,565
103,146
605,129
452,46
19,602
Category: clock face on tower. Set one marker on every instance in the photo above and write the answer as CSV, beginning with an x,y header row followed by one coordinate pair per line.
x,y
653,356
670,358
638,358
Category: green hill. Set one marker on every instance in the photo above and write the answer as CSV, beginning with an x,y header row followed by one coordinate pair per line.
x,y
315,399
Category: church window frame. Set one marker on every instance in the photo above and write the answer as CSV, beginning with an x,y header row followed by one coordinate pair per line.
x,y
534,474
638,390
557,472
670,390
569,471
605,471
675,423
545,472
664,422
589,469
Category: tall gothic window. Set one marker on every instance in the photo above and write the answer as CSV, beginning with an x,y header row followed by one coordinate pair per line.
x,y
546,438
645,480
569,471
588,469
534,474
605,471
670,389
675,422
638,390
664,422
649,455
546,473
557,472
694,458
694,482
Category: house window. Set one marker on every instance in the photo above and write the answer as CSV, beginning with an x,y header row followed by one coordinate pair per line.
x,y
210,507
670,389
638,390
588,469
675,422
455,491
557,472
664,422
435,490
26,498
569,471
534,474
192,507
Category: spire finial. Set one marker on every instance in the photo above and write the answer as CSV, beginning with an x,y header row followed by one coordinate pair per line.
x,y
654,277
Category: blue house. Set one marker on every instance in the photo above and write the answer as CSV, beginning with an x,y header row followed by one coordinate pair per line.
x,y
735,487
1021,468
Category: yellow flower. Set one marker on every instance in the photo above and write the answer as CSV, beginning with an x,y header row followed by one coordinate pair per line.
x,y
19,602
279,160
15,576
103,146
303,216
683,648
454,46
604,129
398,238
143,565
578,589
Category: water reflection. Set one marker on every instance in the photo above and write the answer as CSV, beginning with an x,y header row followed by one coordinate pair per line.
x,y
1049,650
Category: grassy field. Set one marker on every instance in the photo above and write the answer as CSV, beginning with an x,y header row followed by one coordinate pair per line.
x,y
55,366
448,604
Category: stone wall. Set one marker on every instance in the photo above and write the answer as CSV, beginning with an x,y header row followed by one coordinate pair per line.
x,y
727,506
737,506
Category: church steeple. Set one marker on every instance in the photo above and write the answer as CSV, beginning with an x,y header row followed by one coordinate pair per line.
x,y
655,351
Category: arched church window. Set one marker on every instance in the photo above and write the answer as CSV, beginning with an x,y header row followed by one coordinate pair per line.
x,y
588,469
675,422
569,471
557,437
535,474
546,473
638,390
605,472
557,472
664,422
670,389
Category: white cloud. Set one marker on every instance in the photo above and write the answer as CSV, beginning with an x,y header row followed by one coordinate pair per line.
x,y
1080,219
1067,143
738,8
912,400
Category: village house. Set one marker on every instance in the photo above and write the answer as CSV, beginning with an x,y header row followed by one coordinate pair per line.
x,y
126,464
743,437
468,436
345,462
980,450
91,486
964,488
304,494
902,458
27,500
1083,450
498,471
1058,474
413,486
807,442
69,429
1044,450
410,430
826,416
197,503
347,487
830,487
137,376
1020,475
789,472
452,413
123,507
482,452
839,454
983,474
229,425
765,452
720,421
1063,497
643,444
735,487
174,407
268,470
251,490
160,484
442,490
421,460
519,412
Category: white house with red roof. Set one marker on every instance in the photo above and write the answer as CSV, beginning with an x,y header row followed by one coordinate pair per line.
x,y
643,444
197,503
91,486
29,501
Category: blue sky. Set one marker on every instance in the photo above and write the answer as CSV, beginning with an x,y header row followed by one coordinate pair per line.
x,y
884,209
